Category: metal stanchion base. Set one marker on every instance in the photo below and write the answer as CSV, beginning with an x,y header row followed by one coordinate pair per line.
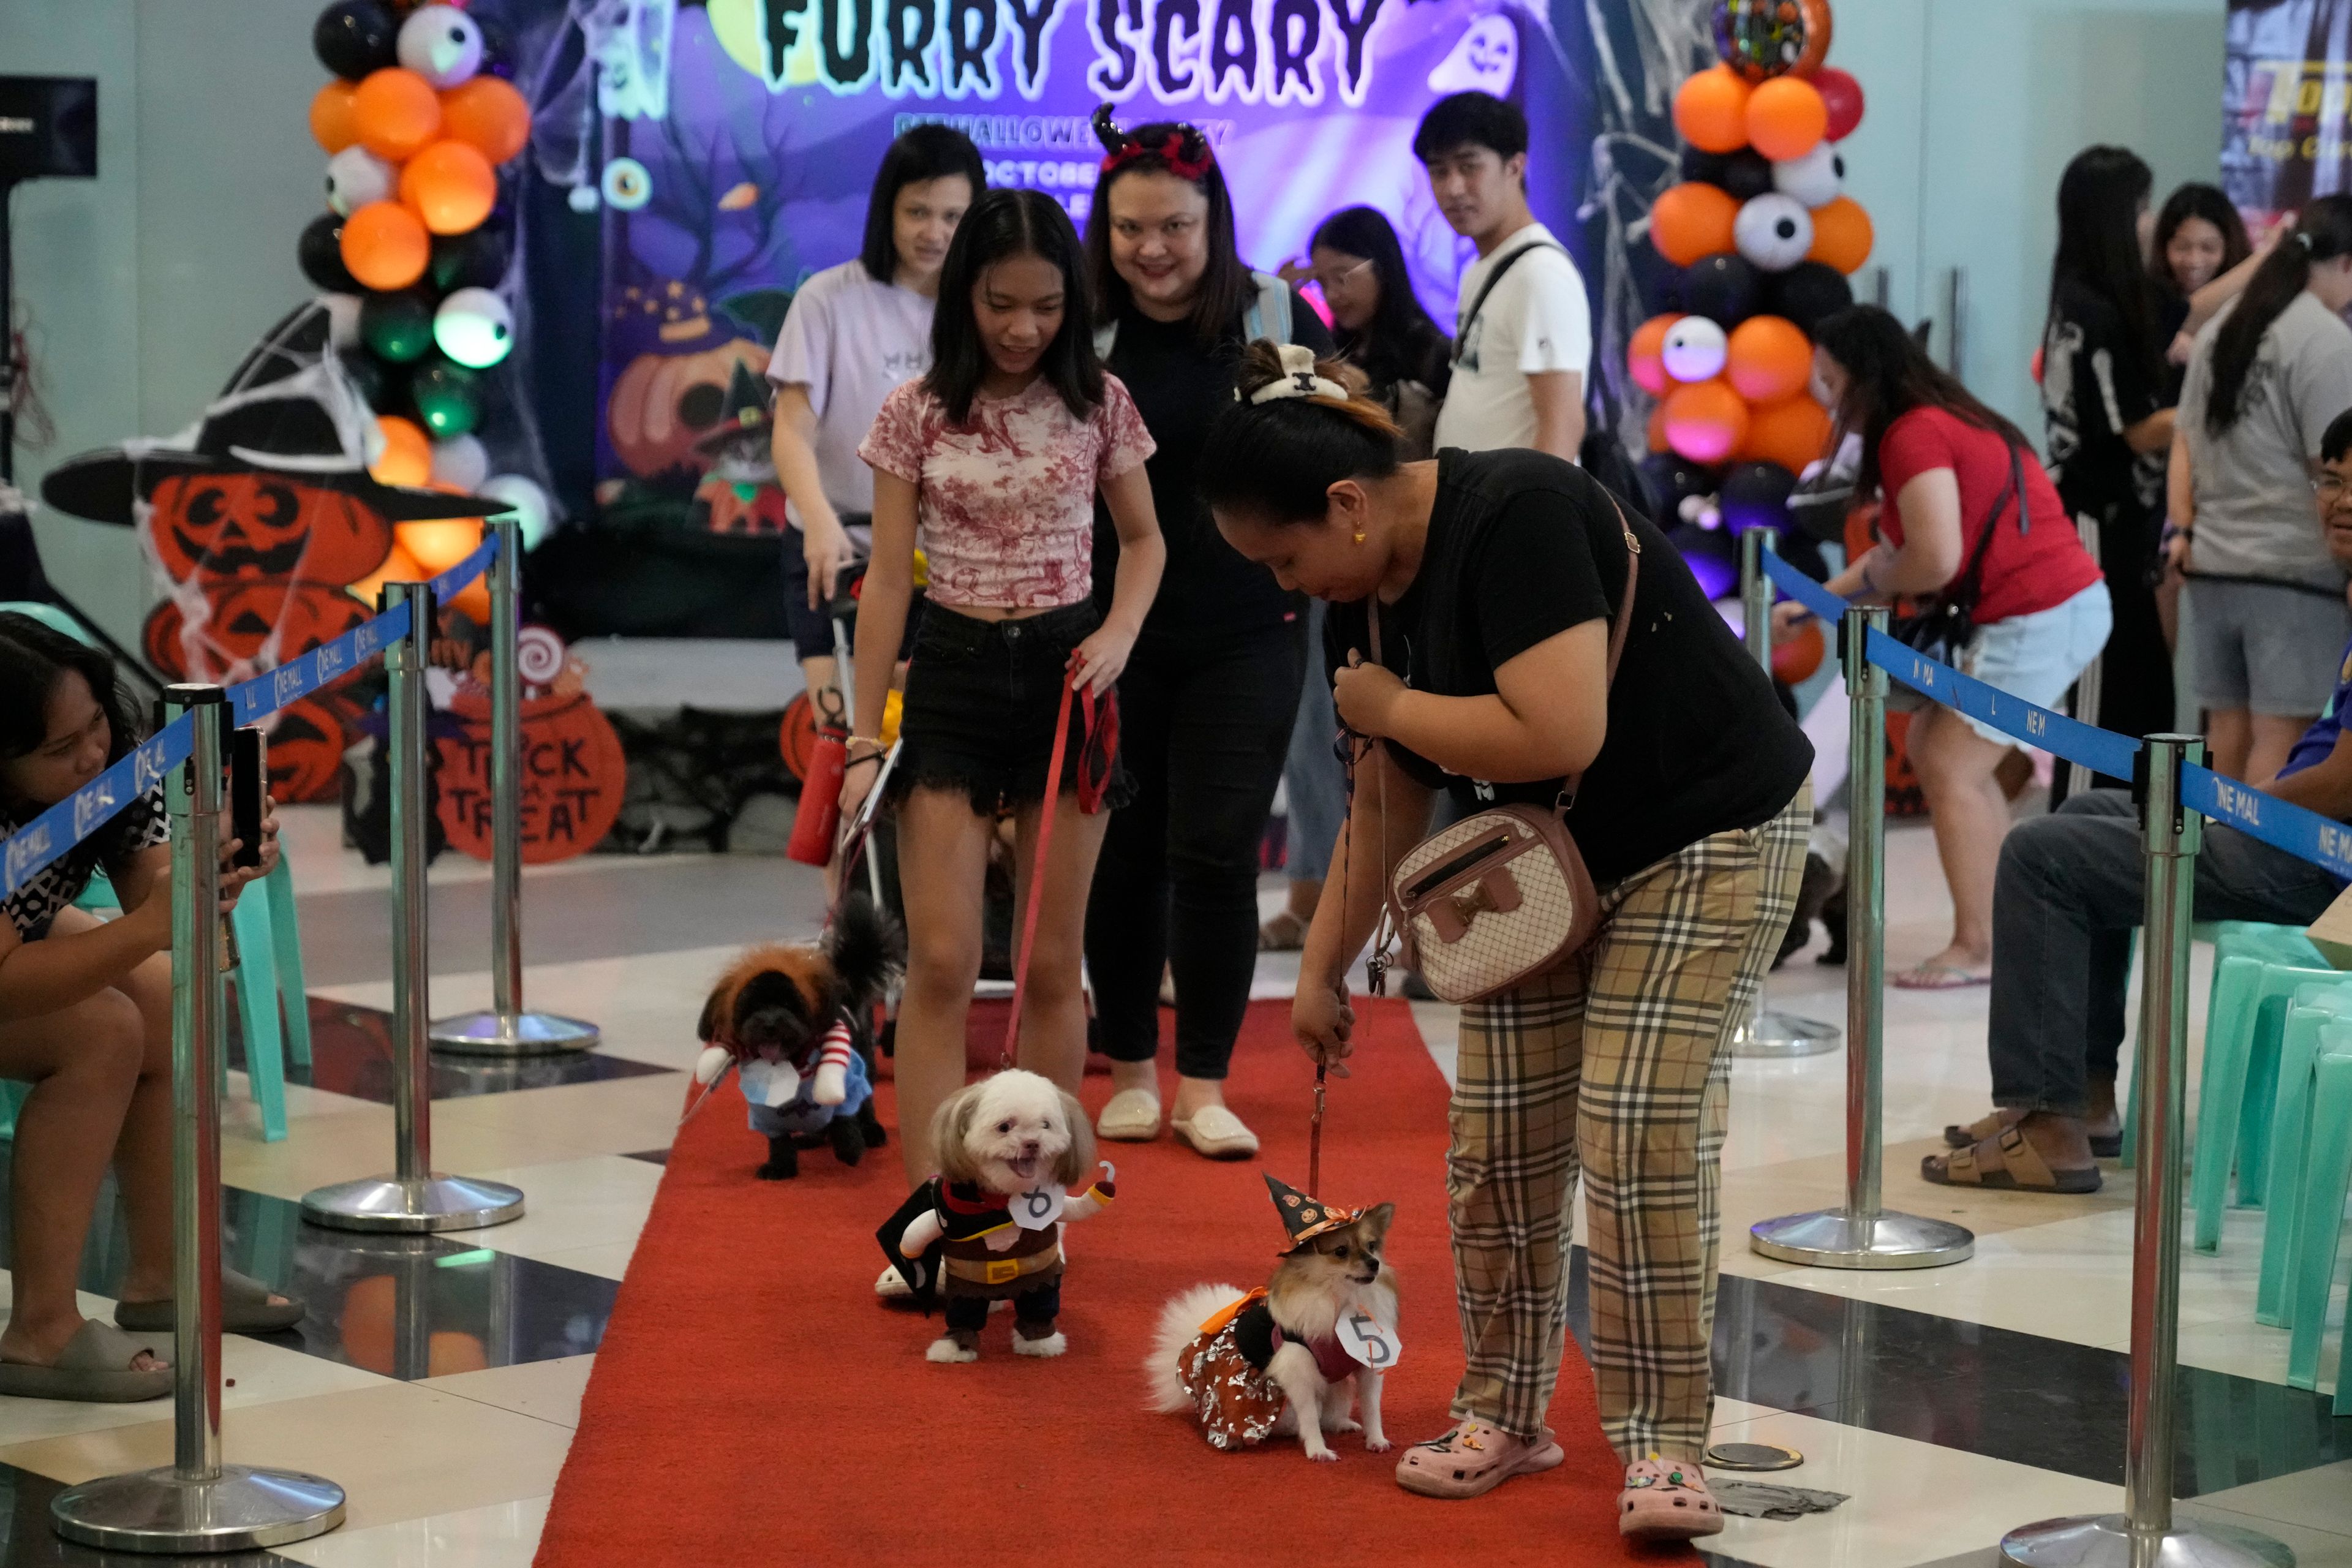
x,y
2106,1541
1833,1239
417,1204
1769,1035
154,1511
521,1035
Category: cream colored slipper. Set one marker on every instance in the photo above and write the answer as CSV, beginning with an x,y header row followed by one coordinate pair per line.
x,y
892,1286
1131,1117
1218,1133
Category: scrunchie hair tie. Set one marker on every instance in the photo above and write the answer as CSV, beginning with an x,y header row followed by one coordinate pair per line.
x,y
1298,380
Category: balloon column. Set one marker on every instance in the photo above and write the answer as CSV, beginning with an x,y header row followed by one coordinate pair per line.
x,y
1764,237
411,252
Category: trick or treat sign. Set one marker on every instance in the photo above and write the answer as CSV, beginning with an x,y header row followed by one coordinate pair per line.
x,y
573,772
738,140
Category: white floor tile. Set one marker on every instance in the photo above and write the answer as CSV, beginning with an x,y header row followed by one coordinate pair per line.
x,y
502,1536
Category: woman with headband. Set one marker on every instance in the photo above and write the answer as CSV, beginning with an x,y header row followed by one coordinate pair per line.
x,y
1211,690
1498,576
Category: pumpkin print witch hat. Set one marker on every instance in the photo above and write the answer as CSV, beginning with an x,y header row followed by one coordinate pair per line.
x,y
288,410
1304,1218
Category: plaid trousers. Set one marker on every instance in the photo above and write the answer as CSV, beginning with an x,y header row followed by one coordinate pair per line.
x,y
1617,1062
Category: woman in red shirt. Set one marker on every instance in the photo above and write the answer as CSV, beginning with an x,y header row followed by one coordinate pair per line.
x,y
1942,463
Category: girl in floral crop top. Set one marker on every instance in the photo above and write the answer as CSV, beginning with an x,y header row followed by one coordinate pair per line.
x,y
994,459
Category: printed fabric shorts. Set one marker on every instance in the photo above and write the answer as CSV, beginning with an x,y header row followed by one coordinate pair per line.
x,y
2264,648
980,704
2038,656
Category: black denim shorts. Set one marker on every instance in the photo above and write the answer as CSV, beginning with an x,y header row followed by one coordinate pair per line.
x,y
981,698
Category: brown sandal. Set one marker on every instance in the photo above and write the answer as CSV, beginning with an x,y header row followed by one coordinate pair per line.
x,y
2006,1162
2103,1146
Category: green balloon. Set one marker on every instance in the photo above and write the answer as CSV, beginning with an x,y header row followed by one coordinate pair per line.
x,y
448,399
398,326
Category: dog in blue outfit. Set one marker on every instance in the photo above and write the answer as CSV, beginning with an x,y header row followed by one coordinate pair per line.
x,y
796,1023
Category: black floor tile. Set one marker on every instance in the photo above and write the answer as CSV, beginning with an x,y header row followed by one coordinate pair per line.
x,y
351,1053
29,1541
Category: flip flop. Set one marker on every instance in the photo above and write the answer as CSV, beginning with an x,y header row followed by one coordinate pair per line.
x,y
1216,1133
2103,1146
1131,1117
1666,1501
246,1309
1937,977
2008,1162
94,1369
1472,1460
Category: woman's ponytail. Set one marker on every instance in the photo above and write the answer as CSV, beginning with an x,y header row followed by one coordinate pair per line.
x,y
2323,233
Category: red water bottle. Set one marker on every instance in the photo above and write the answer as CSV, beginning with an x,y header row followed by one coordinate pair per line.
x,y
818,822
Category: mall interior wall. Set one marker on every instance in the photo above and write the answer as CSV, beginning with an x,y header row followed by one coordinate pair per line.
x,y
145,285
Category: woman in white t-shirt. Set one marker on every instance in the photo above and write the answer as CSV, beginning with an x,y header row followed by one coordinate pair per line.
x,y
854,332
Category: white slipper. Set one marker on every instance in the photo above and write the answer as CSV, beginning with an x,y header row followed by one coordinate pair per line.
x,y
891,1287
1218,1133
1131,1117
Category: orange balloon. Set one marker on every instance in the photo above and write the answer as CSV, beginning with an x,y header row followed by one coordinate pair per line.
x,y
439,543
1770,359
395,112
1658,430
450,185
1842,235
1794,661
1786,118
1691,220
331,114
1793,433
384,246
408,455
1711,111
1643,356
487,115
1706,421
398,567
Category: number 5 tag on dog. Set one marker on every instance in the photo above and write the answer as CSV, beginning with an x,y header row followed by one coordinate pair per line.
x,y
1038,1207
1364,1338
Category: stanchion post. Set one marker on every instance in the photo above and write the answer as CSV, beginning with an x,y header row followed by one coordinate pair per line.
x,y
414,1197
506,1029
1767,1034
197,1504
2089,685
1863,1233
2146,1534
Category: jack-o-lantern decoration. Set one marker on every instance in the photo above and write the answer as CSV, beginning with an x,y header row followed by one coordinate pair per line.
x,y
305,752
243,527
159,641
663,404
574,775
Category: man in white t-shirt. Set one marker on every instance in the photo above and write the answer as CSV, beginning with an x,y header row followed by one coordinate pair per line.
x,y
1523,346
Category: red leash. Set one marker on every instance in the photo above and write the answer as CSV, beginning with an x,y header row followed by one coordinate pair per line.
x,y
1051,809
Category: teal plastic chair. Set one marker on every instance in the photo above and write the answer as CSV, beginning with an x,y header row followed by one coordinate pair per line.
x,y
2317,1010
2327,1183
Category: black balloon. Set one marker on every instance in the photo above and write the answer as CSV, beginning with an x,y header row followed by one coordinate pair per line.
x,y
1756,495
475,259
1725,288
1673,479
1713,559
320,253
1702,166
353,37
498,50
1810,292
370,375
1747,174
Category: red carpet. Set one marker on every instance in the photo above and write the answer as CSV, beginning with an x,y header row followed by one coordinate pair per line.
x,y
752,1404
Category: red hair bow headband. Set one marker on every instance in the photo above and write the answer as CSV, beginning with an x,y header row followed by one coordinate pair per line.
x,y
1122,148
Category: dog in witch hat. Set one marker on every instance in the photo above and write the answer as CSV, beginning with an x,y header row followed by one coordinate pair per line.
x,y
1289,1360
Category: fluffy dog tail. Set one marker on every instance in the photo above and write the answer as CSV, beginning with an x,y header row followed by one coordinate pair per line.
x,y
868,948
1180,1319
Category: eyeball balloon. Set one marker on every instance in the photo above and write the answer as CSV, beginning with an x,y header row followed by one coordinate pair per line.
x,y
1694,350
1773,231
474,328
355,177
441,44
1815,179
460,462
526,500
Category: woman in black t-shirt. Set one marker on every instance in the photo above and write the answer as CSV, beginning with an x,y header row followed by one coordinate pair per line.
x,y
1211,686
86,1019
1497,575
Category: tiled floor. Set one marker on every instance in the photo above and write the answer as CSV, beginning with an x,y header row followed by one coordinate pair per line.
x,y
439,1380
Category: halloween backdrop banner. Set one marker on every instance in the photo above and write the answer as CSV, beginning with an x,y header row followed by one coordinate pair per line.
x,y
2287,94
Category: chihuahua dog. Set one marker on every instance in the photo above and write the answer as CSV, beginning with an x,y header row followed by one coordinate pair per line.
x,y
796,1022
1272,1363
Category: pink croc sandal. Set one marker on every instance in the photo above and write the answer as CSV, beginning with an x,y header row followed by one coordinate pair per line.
x,y
1666,1500
1472,1460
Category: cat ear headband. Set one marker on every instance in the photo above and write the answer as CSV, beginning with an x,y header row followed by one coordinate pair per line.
x,y
1185,150
1298,380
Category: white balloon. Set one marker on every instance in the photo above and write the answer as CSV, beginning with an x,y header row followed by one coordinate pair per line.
x,y
474,326
441,44
526,500
356,177
1773,231
342,320
1815,179
460,461
1695,350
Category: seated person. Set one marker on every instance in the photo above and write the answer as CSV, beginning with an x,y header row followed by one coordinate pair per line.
x,y
86,1019
2064,906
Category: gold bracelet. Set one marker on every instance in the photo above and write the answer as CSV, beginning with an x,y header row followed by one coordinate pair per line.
x,y
863,741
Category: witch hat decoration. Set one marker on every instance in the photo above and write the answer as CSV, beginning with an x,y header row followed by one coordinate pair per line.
x,y
743,414
287,410
1305,1217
